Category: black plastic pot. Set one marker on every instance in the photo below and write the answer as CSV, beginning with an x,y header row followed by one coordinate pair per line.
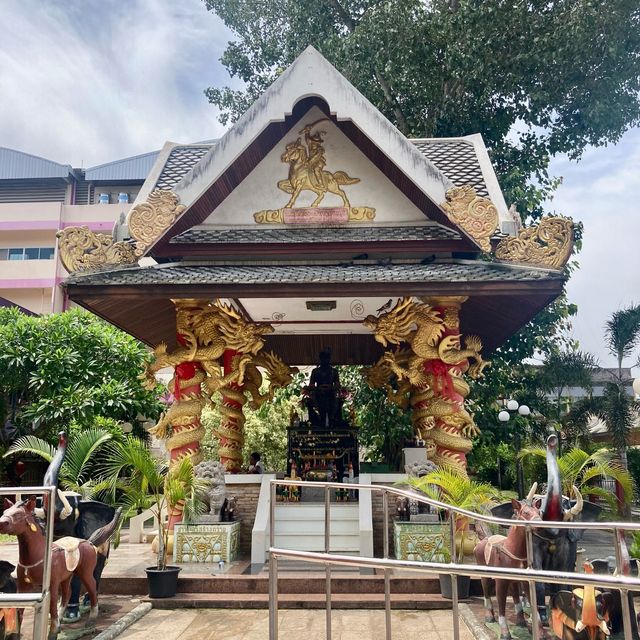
x,y
463,586
162,583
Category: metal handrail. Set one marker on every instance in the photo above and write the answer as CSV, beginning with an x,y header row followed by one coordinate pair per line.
x,y
39,601
530,575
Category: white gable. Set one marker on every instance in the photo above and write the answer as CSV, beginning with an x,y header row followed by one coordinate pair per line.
x,y
312,75
259,190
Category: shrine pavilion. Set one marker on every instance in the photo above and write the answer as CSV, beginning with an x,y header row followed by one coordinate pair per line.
x,y
313,223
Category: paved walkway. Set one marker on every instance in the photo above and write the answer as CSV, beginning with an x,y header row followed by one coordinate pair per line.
x,y
234,624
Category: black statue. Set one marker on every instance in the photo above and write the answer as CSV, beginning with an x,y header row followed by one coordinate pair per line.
x,y
555,549
324,386
77,518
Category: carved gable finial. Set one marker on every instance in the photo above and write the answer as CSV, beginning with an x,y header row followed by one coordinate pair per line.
x,y
476,215
547,244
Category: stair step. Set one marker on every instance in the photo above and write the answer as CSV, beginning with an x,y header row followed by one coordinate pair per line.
x,y
300,601
300,511
309,580
301,527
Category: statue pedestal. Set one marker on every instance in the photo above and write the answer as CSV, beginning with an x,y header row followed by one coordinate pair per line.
x,y
414,454
208,543
422,542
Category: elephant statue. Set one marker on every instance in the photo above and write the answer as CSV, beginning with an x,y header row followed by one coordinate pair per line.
x,y
555,549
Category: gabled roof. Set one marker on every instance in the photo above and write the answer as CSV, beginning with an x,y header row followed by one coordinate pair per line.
x,y
133,168
464,161
17,165
310,81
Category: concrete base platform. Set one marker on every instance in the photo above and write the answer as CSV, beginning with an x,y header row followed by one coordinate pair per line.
x,y
424,601
213,624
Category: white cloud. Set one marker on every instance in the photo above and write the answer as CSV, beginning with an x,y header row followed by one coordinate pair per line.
x,y
602,192
88,82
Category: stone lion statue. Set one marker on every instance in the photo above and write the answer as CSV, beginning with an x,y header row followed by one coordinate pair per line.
x,y
418,469
212,472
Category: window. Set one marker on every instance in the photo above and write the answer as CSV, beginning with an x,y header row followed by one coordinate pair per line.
x,y
28,253
16,254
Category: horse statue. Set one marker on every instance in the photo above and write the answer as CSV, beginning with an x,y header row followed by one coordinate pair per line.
x,y
69,557
508,551
77,518
307,173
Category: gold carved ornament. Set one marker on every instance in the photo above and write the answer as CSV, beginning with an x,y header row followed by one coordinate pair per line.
x,y
307,172
444,425
476,215
148,220
547,244
206,331
82,249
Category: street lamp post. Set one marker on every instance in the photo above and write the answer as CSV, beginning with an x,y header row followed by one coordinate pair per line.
x,y
510,406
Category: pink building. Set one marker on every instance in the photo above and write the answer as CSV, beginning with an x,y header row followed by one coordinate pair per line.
x,y
37,198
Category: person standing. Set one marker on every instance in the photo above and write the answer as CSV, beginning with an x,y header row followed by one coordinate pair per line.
x,y
255,463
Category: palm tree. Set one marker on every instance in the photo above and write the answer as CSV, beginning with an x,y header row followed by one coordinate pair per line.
x,y
563,369
618,410
578,468
79,462
622,333
137,480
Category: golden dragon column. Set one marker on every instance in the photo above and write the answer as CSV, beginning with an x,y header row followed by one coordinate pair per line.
x,y
210,336
231,430
431,371
453,426
180,426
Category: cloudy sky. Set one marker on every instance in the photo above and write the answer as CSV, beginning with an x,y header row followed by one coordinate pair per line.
x,y
89,81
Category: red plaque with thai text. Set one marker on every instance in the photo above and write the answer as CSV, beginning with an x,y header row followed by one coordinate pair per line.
x,y
316,215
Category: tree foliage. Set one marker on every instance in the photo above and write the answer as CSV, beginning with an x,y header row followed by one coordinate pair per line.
x,y
580,468
535,78
69,368
622,334
79,467
383,427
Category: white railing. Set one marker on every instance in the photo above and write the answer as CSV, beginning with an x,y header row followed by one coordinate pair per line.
x,y
39,600
619,582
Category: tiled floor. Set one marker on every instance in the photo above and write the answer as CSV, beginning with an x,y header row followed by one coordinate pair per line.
x,y
233,624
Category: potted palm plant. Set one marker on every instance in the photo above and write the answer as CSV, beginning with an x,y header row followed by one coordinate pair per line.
x,y
144,482
448,485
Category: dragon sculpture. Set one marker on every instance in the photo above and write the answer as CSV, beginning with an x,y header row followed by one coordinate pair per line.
x,y
430,372
280,375
209,336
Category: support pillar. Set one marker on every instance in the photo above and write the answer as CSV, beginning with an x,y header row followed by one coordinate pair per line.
x,y
451,423
231,430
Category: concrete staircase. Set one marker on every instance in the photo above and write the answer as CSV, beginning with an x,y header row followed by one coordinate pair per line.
x,y
300,526
300,592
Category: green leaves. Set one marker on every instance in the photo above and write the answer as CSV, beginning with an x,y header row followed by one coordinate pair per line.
x,y
449,486
579,468
506,70
71,366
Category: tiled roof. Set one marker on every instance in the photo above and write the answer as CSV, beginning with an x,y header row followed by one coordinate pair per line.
x,y
320,235
182,274
180,161
457,159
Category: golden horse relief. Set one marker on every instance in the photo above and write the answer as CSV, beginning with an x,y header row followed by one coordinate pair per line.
x,y
307,162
